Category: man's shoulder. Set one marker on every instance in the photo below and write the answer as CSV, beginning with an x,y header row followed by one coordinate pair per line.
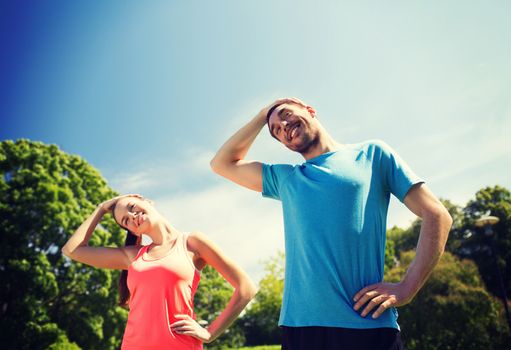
x,y
370,147
279,168
372,143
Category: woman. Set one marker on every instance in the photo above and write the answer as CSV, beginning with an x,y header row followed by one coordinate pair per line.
x,y
161,277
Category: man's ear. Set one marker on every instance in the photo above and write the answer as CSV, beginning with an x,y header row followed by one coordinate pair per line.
x,y
311,111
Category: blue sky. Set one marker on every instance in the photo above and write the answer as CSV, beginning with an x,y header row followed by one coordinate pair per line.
x,y
147,91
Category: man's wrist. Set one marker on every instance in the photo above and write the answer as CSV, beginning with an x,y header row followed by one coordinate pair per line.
x,y
410,286
261,116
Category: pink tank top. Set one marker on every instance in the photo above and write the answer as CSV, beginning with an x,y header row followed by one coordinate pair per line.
x,y
160,289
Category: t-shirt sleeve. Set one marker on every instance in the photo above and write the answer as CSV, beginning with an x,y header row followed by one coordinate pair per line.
x,y
273,177
397,176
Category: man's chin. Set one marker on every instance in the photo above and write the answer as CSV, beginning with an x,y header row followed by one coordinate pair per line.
x,y
300,148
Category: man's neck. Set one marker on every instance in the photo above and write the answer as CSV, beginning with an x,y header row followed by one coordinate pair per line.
x,y
326,144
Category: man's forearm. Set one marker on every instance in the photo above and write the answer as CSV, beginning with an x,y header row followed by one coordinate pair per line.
x,y
238,145
433,236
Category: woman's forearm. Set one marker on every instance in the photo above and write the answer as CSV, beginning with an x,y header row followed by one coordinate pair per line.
x,y
82,235
239,300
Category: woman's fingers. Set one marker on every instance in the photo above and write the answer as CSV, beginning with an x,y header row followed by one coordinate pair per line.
x,y
186,328
178,324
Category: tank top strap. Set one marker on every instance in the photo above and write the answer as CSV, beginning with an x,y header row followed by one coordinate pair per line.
x,y
184,248
141,251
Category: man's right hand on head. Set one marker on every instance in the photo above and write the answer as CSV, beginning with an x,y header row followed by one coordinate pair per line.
x,y
264,111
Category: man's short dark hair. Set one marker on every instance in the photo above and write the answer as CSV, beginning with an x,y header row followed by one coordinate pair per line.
x,y
270,111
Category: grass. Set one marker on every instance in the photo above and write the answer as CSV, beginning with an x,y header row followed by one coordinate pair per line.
x,y
262,347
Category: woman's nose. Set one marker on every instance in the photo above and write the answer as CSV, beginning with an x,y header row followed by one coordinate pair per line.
x,y
132,215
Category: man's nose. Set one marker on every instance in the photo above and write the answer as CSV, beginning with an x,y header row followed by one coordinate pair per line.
x,y
284,123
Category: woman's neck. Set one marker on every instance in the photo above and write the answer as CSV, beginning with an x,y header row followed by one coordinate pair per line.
x,y
163,234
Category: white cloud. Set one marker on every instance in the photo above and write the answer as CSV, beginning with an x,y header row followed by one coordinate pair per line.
x,y
247,227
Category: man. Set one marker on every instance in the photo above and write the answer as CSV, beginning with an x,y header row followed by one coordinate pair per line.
x,y
335,210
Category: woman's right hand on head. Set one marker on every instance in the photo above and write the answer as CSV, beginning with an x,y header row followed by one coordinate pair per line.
x,y
108,204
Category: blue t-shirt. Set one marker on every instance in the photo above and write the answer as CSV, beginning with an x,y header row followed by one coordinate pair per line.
x,y
335,212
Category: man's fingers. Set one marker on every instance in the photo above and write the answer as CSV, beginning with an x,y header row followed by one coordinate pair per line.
x,y
364,290
297,100
289,99
373,303
365,298
384,306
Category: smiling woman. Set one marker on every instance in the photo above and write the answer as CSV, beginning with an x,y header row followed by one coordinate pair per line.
x,y
159,280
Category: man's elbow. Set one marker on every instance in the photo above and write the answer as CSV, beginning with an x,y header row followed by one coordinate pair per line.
x,y
448,221
444,221
220,166
215,165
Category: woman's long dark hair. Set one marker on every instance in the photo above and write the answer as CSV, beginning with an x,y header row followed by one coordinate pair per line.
x,y
124,292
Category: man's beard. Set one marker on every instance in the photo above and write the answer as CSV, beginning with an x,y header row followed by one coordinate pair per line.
x,y
307,144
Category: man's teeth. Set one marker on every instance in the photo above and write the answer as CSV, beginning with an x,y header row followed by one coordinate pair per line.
x,y
293,132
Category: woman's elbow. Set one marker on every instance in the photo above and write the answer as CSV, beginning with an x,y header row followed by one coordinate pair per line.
x,y
247,290
65,250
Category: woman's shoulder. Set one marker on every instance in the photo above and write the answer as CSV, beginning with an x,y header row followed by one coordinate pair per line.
x,y
197,241
132,251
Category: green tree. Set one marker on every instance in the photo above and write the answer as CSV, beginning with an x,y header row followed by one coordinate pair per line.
x,y
452,311
261,320
393,235
211,297
406,239
46,301
470,241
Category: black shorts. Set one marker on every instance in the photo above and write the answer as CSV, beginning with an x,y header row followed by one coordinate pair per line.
x,y
334,338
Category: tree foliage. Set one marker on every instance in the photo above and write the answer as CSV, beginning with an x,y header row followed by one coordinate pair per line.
x,y
406,239
211,297
471,241
452,311
47,302
261,320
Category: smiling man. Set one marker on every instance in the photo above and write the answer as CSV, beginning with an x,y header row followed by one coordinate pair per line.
x,y
335,209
